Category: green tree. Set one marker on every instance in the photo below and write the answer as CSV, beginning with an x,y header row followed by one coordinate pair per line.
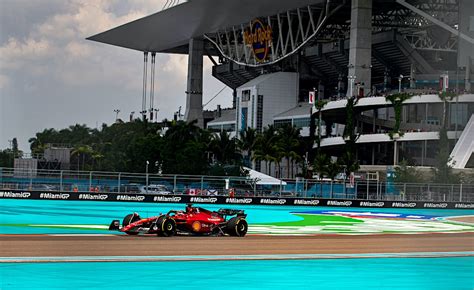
x,y
443,171
224,149
320,165
184,149
6,158
267,148
288,142
81,152
397,101
407,174
247,143
349,157
41,139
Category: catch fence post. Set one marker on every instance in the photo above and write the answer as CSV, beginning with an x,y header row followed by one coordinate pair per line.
x,y
367,188
404,191
305,184
61,180
280,186
202,183
174,184
254,188
460,192
118,185
90,180
377,190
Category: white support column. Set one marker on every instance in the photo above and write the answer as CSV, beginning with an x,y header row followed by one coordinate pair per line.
x,y
360,44
194,87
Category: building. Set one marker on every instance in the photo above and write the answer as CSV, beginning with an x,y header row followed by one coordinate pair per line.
x,y
273,53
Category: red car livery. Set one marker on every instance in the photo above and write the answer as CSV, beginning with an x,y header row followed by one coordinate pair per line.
x,y
191,221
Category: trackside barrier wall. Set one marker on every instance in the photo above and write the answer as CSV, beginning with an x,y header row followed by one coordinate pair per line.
x,y
86,196
82,181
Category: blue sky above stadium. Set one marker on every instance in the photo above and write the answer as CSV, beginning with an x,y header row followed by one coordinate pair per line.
x,y
51,77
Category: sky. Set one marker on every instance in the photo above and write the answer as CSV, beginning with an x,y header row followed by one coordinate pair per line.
x,y
52,77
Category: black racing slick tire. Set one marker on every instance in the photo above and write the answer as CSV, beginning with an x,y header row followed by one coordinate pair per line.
x,y
166,226
237,227
128,219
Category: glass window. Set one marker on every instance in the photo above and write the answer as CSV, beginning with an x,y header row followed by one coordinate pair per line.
x,y
214,128
459,114
259,113
245,95
244,119
281,123
228,127
302,122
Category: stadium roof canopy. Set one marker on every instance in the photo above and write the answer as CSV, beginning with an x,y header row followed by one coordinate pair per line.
x,y
170,30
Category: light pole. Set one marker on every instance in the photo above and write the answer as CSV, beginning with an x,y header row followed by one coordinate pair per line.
x,y
351,79
11,150
146,176
395,149
400,78
131,115
117,111
143,114
156,114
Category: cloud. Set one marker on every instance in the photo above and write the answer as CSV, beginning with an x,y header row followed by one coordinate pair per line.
x,y
47,68
15,54
177,66
4,81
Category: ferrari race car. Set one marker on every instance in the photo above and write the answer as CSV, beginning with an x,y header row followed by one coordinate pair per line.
x,y
191,221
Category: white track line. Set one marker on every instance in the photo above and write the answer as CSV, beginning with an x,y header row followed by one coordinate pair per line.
x,y
230,257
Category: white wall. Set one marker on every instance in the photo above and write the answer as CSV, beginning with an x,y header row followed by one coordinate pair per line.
x,y
280,93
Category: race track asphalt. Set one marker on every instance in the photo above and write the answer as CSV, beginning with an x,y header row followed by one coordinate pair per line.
x,y
150,245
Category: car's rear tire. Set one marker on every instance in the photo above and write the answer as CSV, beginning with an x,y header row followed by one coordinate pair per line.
x,y
129,219
237,227
166,226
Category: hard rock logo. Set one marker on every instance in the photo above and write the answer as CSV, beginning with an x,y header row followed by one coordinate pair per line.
x,y
259,37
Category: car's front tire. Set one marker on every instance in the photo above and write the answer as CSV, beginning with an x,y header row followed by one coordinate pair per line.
x,y
129,219
237,227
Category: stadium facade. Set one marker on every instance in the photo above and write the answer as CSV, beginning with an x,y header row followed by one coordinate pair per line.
x,y
276,55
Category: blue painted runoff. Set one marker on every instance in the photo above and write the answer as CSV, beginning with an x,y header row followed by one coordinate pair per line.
x,y
15,214
367,273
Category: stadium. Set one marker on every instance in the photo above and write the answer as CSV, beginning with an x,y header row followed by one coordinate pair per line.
x,y
331,50
319,65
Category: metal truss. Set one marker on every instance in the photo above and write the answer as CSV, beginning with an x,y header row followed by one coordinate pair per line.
x,y
404,18
170,3
422,41
291,30
439,21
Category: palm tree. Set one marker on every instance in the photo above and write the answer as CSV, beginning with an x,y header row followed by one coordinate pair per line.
x,y
82,151
97,156
181,131
224,148
332,170
267,147
247,143
321,162
38,143
289,143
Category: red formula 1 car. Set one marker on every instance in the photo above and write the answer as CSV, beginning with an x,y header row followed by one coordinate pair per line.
x,y
192,221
